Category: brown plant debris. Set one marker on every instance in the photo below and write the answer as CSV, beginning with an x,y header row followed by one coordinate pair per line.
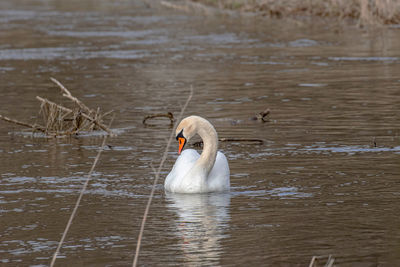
x,y
168,115
175,6
262,116
364,12
62,121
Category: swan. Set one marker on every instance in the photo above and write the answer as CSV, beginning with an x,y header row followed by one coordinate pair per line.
x,y
194,173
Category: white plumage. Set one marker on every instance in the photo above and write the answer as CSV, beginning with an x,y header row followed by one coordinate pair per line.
x,y
194,173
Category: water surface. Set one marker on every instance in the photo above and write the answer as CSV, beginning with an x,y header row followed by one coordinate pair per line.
x,y
325,180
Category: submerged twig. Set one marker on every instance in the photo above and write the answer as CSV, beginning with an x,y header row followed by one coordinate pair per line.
x,y
251,140
168,115
157,175
254,140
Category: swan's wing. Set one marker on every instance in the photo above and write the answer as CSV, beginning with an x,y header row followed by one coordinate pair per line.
x,y
218,179
182,166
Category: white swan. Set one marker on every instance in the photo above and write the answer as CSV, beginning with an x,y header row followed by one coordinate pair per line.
x,y
193,173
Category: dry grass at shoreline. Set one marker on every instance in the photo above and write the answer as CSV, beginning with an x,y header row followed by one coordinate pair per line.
x,y
364,12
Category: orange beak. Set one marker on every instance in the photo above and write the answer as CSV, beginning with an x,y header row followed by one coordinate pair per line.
x,y
182,142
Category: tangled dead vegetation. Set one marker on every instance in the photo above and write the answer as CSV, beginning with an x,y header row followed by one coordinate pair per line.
x,y
363,12
60,121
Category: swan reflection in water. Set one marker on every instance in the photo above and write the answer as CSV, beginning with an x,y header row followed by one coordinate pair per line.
x,y
202,223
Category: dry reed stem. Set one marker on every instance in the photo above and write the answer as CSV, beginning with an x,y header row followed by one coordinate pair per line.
x,y
53,260
329,263
68,95
54,117
50,103
157,175
33,126
190,6
175,6
312,263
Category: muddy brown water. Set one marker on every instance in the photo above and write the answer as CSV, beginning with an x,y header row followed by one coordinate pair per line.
x,y
319,185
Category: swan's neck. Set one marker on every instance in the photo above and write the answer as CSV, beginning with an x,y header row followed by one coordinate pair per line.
x,y
210,146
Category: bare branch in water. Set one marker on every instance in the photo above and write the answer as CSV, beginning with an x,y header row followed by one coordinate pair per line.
x,y
168,115
33,126
240,140
251,140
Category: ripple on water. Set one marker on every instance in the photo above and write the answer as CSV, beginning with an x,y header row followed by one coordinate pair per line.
x,y
352,149
18,180
100,185
224,38
69,53
303,43
123,34
279,192
316,148
383,59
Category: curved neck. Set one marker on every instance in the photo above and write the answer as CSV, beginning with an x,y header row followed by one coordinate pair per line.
x,y
210,145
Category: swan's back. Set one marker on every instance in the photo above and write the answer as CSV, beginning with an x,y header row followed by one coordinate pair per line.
x,y
218,179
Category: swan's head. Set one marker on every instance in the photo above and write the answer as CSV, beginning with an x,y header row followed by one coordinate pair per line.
x,y
186,129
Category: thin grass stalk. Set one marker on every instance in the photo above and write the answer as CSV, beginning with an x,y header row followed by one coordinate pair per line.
x,y
73,214
157,175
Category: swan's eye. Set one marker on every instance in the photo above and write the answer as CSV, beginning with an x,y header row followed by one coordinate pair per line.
x,y
180,134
